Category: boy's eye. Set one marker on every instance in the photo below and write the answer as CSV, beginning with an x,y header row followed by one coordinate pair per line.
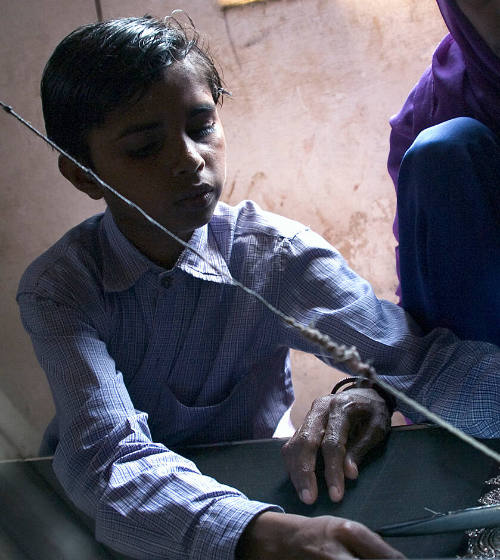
x,y
145,150
205,130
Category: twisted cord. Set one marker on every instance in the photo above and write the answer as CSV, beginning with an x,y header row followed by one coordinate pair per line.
x,y
338,352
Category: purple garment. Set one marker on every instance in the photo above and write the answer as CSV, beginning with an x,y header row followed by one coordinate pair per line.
x,y
463,80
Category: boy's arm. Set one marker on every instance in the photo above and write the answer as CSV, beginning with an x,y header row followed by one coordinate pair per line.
x,y
147,501
456,379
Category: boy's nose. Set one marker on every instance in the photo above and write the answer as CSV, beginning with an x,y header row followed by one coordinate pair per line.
x,y
188,160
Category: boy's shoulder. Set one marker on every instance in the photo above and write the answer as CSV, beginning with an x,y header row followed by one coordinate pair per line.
x,y
248,219
76,254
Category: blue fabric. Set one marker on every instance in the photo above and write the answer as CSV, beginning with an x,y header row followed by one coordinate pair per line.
x,y
449,227
140,358
463,80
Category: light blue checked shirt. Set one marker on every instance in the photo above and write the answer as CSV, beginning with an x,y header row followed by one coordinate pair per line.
x,y
136,355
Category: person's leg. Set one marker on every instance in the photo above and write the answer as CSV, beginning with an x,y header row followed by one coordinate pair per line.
x,y
449,228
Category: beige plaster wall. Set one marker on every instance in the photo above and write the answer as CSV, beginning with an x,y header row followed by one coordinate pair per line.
x,y
314,83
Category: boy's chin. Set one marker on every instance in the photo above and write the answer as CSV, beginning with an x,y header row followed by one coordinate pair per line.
x,y
193,222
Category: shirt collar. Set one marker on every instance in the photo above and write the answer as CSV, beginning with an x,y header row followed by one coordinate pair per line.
x,y
124,264
213,265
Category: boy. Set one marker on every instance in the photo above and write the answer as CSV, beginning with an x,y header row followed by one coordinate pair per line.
x,y
144,342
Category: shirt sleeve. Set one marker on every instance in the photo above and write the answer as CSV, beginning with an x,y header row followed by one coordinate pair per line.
x,y
147,501
458,380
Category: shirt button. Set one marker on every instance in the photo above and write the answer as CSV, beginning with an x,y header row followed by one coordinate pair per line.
x,y
166,281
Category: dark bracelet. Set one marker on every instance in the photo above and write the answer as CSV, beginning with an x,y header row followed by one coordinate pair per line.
x,y
345,381
364,383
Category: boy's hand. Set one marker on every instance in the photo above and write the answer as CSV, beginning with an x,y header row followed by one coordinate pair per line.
x,y
344,426
294,537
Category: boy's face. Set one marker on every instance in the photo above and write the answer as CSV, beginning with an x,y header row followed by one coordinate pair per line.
x,y
166,153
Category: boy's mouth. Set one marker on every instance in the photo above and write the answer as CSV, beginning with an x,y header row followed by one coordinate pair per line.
x,y
198,199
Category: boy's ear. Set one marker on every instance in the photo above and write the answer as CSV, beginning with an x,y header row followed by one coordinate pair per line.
x,y
79,178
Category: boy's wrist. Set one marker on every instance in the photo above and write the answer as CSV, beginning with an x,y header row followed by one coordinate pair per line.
x,y
360,382
261,538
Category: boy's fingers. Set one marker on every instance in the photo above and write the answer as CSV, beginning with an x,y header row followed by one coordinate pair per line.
x,y
375,434
351,470
301,450
306,486
358,420
334,451
374,429
301,469
366,544
344,426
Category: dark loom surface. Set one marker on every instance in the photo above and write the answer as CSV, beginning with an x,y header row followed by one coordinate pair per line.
x,y
417,468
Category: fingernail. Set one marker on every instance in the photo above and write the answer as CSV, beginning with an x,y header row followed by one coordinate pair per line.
x,y
306,496
354,468
334,494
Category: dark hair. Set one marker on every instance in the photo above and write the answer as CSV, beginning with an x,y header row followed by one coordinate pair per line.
x,y
100,66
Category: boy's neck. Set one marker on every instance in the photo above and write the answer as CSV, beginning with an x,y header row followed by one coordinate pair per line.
x,y
163,255
156,245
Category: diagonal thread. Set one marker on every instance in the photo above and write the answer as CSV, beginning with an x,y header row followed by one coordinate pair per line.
x,y
338,352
